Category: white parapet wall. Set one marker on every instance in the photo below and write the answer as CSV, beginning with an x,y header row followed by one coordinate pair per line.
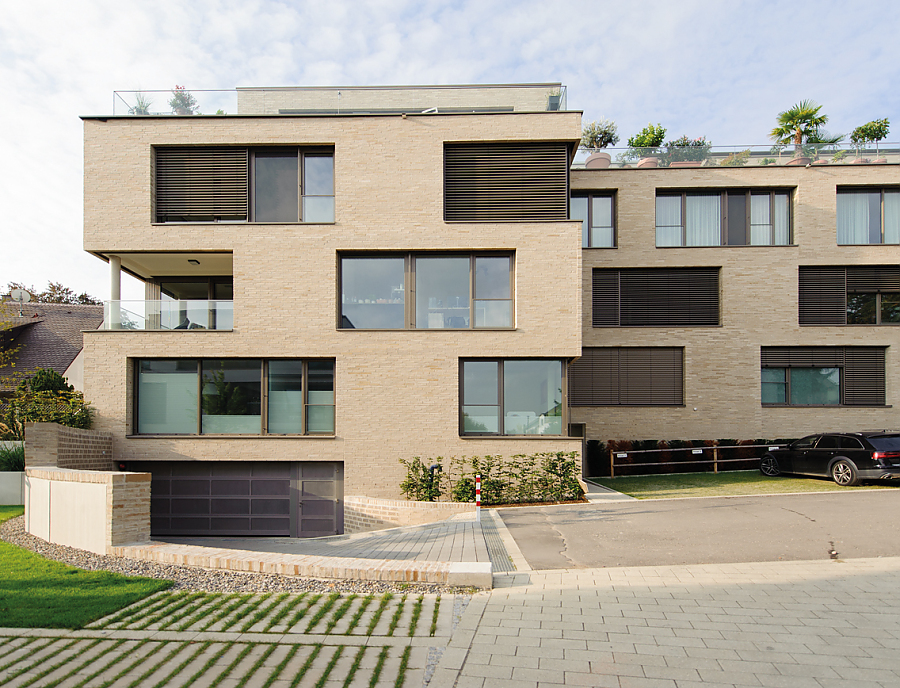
x,y
90,510
363,514
12,487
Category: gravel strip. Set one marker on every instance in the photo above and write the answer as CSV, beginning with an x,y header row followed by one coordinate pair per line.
x,y
207,580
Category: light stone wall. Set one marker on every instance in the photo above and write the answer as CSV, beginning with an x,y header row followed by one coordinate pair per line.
x,y
269,101
396,392
759,306
363,514
12,487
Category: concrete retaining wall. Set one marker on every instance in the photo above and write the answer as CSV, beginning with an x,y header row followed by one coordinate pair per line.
x,y
362,514
91,510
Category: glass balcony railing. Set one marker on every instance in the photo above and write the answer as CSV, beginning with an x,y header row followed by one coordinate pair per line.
x,y
704,155
168,315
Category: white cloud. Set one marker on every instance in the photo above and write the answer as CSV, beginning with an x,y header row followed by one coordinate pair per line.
x,y
700,67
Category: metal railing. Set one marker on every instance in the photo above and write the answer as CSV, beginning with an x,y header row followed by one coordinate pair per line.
x,y
168,315
738,156
697,456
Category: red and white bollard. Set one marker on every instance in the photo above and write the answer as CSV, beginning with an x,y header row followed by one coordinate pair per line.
x,y
478,499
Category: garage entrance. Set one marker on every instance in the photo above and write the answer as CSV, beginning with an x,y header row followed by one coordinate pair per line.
x,y
245,498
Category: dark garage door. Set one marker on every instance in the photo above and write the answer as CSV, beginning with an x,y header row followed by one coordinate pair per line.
x,y
242,498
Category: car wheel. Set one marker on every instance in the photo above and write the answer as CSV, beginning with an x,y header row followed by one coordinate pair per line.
x,y
844,473
768,465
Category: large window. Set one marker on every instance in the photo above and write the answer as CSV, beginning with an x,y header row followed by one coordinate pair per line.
x,y
868,216
597,215
851,295
525,181
822,376
235,397
655,297
628,376
723,218
233,184
512,397
426,291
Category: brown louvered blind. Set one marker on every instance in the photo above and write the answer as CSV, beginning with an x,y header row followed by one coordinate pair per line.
x,y
872,278
822,295
506,182
863,368
656,297
201,184
639,376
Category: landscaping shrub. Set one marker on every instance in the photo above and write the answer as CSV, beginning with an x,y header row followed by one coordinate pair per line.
x,y
420,485
12,458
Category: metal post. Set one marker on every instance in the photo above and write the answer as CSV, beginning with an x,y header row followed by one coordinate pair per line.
x,y
478,499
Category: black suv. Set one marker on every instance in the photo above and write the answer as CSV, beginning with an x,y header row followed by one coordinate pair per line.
x,y
846,457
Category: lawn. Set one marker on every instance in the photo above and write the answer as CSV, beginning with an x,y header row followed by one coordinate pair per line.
x,y
39,593
728,484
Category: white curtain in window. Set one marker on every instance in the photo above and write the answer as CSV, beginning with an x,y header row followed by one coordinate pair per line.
x,y
760,220
892,217
668,221
782,220
853,218
703,216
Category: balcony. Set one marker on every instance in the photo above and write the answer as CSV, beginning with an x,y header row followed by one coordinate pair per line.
x,y
672,157
161,316
344,100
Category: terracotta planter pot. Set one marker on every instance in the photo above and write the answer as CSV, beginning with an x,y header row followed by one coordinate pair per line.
x,y
799,162
880,161
598,161
648,162
820,162
861,161
687,163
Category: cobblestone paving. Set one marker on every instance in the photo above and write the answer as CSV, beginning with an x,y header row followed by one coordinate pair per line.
x,y
182,639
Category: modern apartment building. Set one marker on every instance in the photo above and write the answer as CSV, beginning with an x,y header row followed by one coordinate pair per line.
x,y
337,279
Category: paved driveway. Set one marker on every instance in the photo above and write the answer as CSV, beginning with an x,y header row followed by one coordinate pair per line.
x,y
710,530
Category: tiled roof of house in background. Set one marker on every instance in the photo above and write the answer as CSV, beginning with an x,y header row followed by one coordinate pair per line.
x,y
49,334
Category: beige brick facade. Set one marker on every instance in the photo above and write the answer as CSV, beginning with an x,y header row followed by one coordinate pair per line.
x,y
759,305
396,393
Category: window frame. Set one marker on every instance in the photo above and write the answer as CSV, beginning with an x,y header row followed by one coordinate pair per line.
x,y
787,386
588,233
410,288
249,183
264,398
824,292
880,190
500,361
724,194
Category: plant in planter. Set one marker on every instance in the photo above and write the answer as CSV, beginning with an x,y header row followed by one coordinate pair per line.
x,y
645,145
182,102
738,159
685,152
874,131
141,105
767,161
597,135
798,124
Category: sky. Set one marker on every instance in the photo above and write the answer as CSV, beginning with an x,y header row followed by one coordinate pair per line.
x,y
722,69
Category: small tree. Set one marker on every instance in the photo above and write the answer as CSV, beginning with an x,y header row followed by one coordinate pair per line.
x,y
46,380
647,141
182,101
57,293
798,124
599,134
874,131
685,149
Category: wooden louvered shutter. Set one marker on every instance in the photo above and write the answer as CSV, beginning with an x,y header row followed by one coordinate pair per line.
x,y
864,376
594,378
651,376
822,295
506,182
201,184
605,298
674,297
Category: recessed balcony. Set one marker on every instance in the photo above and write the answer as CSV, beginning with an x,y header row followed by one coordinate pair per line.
x,y
167,315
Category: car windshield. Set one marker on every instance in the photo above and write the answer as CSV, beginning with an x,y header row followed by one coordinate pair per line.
x,y
891,443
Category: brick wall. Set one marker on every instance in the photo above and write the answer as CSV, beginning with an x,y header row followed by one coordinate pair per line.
x,y
51,444
362,514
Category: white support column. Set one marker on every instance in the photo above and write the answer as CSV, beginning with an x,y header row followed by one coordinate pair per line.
x,y
115,292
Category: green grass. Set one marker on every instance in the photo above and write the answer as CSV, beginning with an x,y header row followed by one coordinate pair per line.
x,y
39,593
729,484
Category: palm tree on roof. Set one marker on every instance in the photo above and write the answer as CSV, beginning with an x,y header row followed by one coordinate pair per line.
x,y
799,123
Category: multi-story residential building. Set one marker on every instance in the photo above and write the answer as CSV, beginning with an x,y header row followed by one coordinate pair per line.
x,y
337,279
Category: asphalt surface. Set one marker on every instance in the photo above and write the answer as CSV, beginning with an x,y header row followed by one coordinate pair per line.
x,y
709,530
